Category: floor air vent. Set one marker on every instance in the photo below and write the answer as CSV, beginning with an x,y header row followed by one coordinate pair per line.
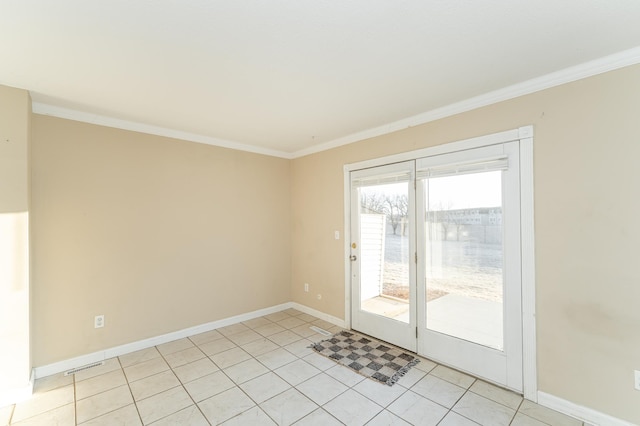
x,y
320,330
84,367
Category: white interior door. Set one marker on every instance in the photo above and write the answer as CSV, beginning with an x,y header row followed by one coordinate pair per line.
x,y
469,284
383,267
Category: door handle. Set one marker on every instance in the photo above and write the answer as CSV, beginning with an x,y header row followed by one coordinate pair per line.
x,y
353,257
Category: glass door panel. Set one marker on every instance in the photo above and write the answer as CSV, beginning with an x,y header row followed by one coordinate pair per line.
x,y
469,284
384,250
464,257
382,255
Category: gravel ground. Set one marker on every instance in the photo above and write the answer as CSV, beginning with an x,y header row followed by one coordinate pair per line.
x,y
468,268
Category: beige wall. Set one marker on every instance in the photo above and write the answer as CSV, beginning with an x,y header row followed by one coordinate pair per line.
x,y
15,118
156,234
15,355
587,218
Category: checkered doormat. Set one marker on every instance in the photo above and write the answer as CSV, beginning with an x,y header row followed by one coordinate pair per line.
x,y
374,359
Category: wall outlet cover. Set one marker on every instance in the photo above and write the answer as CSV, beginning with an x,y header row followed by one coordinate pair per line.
x,y
98,321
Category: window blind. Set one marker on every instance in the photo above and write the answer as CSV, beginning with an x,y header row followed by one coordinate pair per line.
x,y
357,182
476,166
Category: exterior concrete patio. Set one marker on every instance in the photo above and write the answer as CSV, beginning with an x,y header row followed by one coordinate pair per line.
x,y
475,320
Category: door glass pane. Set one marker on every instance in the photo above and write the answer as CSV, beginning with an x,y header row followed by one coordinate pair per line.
x,y
464,257
384,250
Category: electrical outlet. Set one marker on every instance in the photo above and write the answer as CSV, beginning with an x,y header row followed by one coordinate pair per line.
x,y
336,235
636,376
98,321
306,287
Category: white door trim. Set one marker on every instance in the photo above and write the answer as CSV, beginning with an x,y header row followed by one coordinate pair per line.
x,y
528,268
525,136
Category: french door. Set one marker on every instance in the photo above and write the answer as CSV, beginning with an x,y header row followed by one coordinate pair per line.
x,y
383,253
435,259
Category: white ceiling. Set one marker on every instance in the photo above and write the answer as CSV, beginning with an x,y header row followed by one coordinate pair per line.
x,y
292,76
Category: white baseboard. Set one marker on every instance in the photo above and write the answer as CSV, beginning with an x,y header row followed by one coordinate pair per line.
x,y
585,414
329,318
57,367
547,400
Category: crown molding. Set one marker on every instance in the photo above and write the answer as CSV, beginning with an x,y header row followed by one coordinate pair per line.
x,y
102,120
567,75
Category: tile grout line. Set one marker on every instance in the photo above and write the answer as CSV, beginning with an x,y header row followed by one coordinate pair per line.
x,y
270,371
324,372
75,404
183,386
238,385
13,410
517,411
249,396
108,412
352,387
295,386
226,375
75,400
135,403
458,400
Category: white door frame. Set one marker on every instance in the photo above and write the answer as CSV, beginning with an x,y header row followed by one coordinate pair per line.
x,y
525,137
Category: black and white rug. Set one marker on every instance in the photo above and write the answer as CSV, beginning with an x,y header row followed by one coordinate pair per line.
x,y
374,359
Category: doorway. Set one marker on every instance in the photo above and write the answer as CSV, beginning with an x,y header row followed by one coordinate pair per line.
x,y
435,258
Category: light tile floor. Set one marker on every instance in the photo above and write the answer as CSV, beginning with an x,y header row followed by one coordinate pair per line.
x,y
262,372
